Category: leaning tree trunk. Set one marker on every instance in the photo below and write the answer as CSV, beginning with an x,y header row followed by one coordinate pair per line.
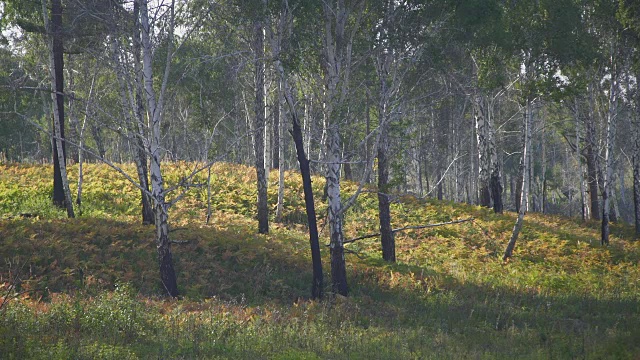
x,y
317,283
259,129
61,190
305,173
525,164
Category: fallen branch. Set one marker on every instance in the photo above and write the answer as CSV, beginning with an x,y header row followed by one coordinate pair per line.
x,y
415,227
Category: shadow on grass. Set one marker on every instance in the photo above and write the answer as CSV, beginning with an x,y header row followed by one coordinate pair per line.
x,y
429,309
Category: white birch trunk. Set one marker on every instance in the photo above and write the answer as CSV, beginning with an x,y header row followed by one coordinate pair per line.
x,y
155,108
525,165
608,157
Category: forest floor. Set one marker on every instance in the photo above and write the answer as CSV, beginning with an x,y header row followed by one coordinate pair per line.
x,y
89,287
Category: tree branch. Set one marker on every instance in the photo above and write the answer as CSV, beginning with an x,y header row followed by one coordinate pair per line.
x,y
414,227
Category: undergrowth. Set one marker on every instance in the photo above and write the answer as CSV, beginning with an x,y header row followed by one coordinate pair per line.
x,y
88,287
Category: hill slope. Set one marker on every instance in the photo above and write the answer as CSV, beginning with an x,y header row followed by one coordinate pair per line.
x,y
449,295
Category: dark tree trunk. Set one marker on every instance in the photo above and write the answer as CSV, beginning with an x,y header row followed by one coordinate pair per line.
x,y
348,173
386,235
58,64
605,232
305,172
485,195
496,192
165,259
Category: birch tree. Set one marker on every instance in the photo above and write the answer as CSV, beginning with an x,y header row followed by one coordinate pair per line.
x,y
258,130
155,103
341,22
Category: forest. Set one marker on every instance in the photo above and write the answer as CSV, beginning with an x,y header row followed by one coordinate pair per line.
x,y
300,179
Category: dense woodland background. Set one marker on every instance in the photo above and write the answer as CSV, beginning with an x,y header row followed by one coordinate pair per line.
x,y
527,106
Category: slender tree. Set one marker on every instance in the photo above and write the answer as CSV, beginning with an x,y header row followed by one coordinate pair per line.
x,y
61,190
155,104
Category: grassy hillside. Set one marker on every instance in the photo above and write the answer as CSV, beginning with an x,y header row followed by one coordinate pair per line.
x,y
89,286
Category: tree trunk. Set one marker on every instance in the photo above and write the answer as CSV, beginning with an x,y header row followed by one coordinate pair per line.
x,y
259,129
276,128
317,284
583,201
495,178
155,108
480,112
608,157
279,160
165,259
338,266
386,235
525,164
57,78
81,146
61,190
305,172
141,148
636,162
592,163
384,62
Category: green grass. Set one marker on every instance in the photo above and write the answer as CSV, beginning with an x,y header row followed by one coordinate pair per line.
x,y
89,286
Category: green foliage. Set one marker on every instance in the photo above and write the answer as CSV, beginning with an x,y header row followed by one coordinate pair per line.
x,y
89,286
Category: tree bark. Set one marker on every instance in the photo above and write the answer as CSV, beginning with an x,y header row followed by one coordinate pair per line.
x,y
592,162
479,105
140,155
279,160
383,67
56,69
259,129
57,78
386,238
317,284
611,134
155,107
525,164
636,160
338,265
495,178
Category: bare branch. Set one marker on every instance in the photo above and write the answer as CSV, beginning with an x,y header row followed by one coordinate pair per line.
x,y
415,227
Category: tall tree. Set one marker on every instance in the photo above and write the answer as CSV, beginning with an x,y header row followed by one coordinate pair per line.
x,y
341,22
61,190
155,104
285,19
259,123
